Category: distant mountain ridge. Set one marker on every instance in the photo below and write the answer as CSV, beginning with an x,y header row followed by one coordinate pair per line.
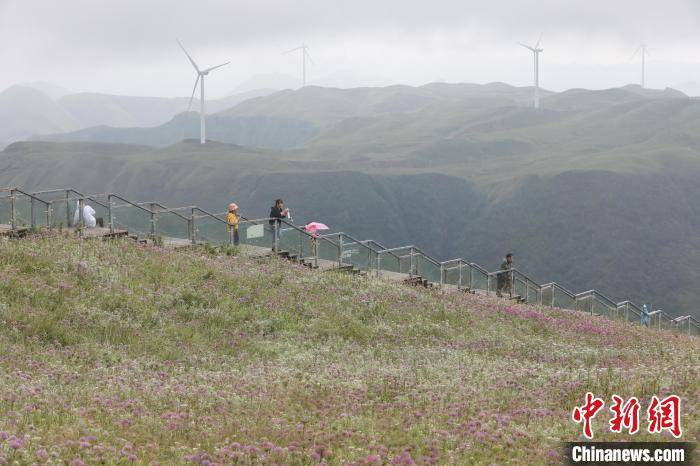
x,y
41,108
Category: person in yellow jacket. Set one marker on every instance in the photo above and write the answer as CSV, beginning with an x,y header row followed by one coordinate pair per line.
x,y
232,219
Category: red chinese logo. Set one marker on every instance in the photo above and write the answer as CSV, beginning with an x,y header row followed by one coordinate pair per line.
x,y
661,415
625,415
665,415
587,412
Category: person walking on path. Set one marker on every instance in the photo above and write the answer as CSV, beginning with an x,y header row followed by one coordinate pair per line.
x,y
645,316
277,213
503,283
232,219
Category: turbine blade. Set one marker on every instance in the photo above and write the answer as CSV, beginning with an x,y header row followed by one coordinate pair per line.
x,y
194,89
636,52
538,42
293,50
188,55
308,55
527,46
215,67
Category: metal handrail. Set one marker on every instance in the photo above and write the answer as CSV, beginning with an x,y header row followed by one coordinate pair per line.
x,y
371,245
13,212
370,242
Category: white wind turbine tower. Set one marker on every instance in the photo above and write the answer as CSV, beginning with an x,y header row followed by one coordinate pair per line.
x,y
304,55
200,76
643,48
536,50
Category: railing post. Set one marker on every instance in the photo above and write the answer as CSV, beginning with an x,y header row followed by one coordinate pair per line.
x,y
110,217
442,275
379,262
49,214
369,257
471,278
193,228
340,250
318,244
153,221
411,265
32,221
459,283
81,220
512,283
527,290
68,219
13,221
275,240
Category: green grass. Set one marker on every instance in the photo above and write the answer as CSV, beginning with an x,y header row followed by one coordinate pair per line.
x,y
115,352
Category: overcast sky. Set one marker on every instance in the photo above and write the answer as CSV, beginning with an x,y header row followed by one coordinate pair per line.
x,y
128,46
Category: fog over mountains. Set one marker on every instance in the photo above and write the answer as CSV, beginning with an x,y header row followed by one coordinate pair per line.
x,y
42,108
594,189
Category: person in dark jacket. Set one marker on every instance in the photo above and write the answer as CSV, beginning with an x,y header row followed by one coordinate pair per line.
x,y
277,213
504,277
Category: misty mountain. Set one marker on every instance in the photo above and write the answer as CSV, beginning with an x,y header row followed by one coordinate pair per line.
x,y
256,131
41,108
25,111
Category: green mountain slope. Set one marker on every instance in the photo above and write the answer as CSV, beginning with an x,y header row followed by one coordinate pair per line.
x,y
123,353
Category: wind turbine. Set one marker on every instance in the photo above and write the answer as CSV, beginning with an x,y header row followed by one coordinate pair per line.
x,y
536,50
200,76
304,55
643,48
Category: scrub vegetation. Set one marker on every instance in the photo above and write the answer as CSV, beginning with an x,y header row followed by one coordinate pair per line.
x,y
113,352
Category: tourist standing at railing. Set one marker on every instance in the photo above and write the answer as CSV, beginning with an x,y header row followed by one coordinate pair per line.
x,y
232,220
645,316
277,213
504,282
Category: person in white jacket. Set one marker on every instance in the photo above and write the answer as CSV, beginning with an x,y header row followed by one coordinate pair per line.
x,y
89,220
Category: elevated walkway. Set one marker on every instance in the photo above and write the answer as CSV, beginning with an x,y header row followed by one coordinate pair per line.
x,y
22,212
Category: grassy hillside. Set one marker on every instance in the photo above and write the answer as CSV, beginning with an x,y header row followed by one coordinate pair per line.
x,y
114,352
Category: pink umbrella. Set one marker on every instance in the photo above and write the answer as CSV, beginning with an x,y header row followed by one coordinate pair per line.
x,y
315,226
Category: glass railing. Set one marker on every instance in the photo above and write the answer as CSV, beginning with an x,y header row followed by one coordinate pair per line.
x,y
23,210
255,233
456,273
357,254
328,250
603,306
5,209
388,262
478,278
633,314
210,227
171,224
584,302
135,219
427,268
63,204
